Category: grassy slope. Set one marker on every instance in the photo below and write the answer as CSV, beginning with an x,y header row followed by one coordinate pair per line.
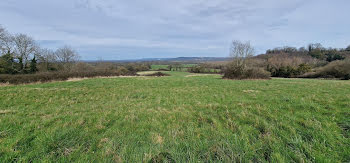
x,y
183,118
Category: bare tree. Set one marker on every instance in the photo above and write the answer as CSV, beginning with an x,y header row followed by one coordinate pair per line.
x,y
2,37
2,32
47,57
240,52
302,50
177,66
6,41
24,47
316,46
67,54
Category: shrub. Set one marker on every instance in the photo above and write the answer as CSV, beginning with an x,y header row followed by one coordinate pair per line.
x,y
196,69
134,67
205,68
58,76
163,69
303,68
257,73
347,77
8,64
317,54
289,71
82,66
233,71
333,56
284,71
157,74
335,69
123,70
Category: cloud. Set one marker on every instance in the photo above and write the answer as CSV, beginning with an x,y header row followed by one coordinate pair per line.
x,y
116,29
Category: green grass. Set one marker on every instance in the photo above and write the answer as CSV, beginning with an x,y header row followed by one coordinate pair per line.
x,y
158,67
178,118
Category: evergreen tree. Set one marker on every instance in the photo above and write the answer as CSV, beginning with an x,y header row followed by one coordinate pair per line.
x,y
332,56
33,67
7,64
20,65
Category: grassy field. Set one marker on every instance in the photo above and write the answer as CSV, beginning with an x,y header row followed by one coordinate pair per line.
x,y
182,118
185,66
157,67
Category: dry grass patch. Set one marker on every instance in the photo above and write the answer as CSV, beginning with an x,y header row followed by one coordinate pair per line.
x,y
194,75
157,139
7,111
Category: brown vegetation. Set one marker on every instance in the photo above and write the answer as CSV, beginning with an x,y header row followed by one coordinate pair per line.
x,y
336,69
239,68
232,71
157,74
58,76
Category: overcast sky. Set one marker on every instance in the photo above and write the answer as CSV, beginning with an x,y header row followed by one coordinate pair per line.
x,y
132,29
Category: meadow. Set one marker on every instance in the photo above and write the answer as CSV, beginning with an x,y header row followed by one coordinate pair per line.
x,y
179,118
184,67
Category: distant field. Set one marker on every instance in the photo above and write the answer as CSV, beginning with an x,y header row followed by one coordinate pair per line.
x,y
183,118
185,66
157,67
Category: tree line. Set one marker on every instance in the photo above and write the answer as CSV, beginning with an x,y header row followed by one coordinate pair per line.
x,y
22,60
21,54
315,50
314,61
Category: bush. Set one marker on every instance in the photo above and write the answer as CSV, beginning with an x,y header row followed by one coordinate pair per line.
x,y
346,77
163,69
205,68
333,56
289,71
58,76
157,74
123,70
196,69
239,72
256,73
335,69
134,67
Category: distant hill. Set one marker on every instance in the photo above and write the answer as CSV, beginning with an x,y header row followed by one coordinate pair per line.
x,y
178,59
